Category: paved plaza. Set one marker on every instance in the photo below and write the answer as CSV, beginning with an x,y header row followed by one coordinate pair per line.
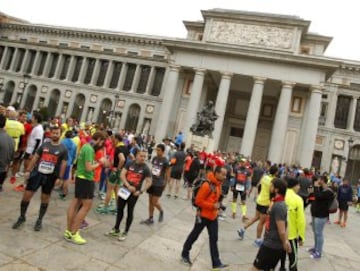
x,y
149,248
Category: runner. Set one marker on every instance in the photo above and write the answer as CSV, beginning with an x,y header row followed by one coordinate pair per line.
x,y
47,165
7,146
177,168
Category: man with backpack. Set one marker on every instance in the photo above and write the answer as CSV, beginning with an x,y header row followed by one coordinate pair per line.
x,y
207,202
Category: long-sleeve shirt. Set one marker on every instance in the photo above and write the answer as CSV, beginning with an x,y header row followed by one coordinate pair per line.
x,y
320,206
296,215
344,193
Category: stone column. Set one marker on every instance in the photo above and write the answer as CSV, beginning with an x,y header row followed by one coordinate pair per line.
x,y
125,111
122,76
59,66
141,119
71,69
331,110
311,127
14,59
194,100
25,61
4,57
351,119
83,70
35,67
220,107
60,102
150,80
252,117
109,73
95,74
169,91
24,95
136,78
280,123
47,65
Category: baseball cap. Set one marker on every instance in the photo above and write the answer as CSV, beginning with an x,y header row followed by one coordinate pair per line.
x,y
10,108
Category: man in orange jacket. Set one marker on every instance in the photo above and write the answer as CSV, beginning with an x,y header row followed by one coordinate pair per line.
x,y
208,204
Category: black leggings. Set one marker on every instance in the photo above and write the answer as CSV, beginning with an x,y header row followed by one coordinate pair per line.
x,y
293,256
131,201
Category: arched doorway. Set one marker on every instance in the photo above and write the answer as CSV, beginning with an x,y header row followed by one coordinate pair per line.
x,y
105,112
53,102
353,165
9,90
132,117
78,107
30,98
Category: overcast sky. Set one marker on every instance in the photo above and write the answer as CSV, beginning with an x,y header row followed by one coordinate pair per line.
x,y
338,19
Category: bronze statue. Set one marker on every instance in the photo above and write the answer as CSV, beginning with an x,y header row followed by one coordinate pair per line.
x,y
205,121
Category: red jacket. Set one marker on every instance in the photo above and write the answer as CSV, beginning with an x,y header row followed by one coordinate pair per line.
x,y
207,197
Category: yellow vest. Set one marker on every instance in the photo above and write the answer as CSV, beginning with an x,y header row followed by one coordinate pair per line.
x,y
15,129
264,196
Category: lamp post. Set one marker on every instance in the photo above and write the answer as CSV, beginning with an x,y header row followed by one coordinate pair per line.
x,y
351,142
26,80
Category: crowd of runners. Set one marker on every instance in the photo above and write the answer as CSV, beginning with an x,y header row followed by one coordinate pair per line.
x,y
120,166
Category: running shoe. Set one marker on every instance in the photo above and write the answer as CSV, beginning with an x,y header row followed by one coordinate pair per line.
x,y
186,261
67,235
220,267
311,250
77,239
122,236
258,243
315,255
148,221
21,220
12,179
20,188
84,224
241,233
38,225
113,233
102,210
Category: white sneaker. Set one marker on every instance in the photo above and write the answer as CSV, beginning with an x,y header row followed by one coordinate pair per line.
x,y
19,175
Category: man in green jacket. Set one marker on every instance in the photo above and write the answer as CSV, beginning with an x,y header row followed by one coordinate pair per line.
x,y
296,222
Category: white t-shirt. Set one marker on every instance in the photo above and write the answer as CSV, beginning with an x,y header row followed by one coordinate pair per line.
x,y
37,132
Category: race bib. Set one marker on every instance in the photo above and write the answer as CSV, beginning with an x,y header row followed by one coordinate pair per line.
x,y
124,193
156,171
46,167
240,187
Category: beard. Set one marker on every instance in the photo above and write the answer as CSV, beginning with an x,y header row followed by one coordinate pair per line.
x,y
55,139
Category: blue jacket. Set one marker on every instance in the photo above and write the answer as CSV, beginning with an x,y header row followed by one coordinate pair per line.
x,y
71,148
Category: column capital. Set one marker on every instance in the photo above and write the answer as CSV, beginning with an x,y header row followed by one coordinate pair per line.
x,y
288,84
317,89
226,75
174,67
259,80
200,71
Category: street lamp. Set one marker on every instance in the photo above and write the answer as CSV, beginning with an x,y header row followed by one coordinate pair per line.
x,y
351,142
26,80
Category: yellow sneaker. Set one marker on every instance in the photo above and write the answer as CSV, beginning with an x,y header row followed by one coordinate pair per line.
x,y
77,239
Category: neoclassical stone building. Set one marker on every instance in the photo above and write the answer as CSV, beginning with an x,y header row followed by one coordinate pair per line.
x,y
276,94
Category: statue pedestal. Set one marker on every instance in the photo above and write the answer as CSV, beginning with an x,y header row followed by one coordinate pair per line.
x,y
200,142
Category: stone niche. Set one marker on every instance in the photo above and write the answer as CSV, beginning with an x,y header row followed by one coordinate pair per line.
x,y
240,33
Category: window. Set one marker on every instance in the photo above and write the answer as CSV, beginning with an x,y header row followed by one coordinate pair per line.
x,y
357,117
130,53
342,112
30,64
2,48
129,77
43,56
19,60
237,132
54,62
9,57
63,45
296,104
158,80
115,75
78,63
267,111
65,67
104,65
43,41
188,86
89,70
85,47
144,78
323,112
159,57
108,50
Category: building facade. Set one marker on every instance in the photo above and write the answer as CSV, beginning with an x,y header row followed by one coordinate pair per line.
x,y
277,96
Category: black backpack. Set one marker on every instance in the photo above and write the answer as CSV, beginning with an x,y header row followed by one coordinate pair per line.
x,y
196,187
